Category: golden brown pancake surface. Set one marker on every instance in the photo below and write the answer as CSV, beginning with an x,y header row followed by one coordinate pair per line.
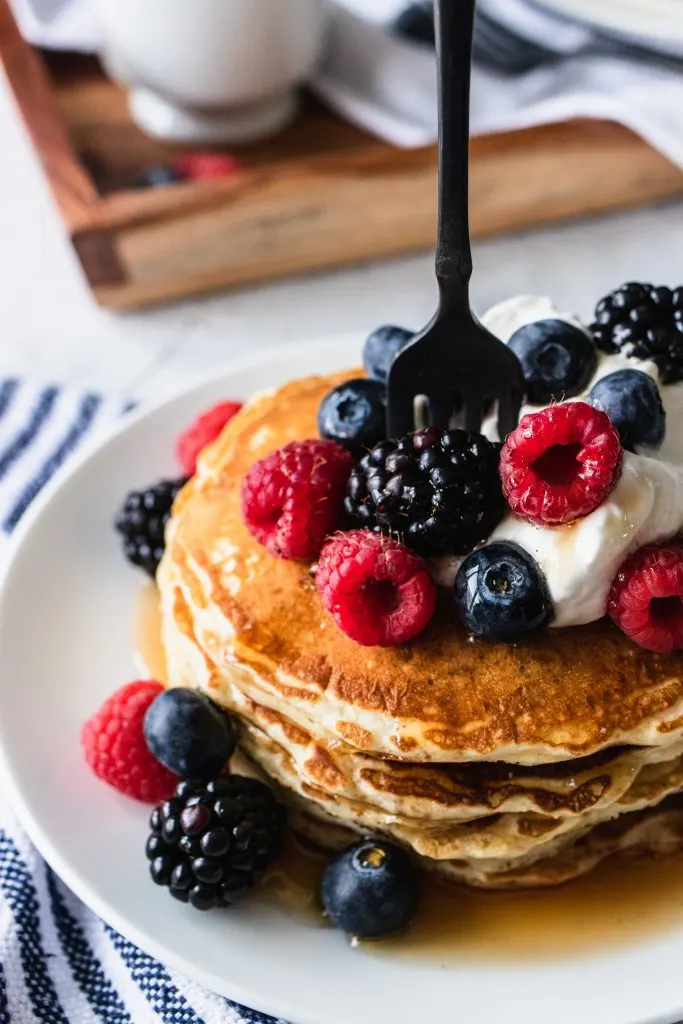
x,y
441,697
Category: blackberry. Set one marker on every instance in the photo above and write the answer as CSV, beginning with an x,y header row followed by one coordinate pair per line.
x,y
211,842
646,322
142,520
438,493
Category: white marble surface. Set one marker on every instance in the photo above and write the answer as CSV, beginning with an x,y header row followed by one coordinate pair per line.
x,y
50,327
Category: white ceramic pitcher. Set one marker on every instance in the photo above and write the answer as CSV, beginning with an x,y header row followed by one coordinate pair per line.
x,y
211,70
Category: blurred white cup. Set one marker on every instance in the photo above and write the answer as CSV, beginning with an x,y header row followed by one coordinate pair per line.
x,y
211,70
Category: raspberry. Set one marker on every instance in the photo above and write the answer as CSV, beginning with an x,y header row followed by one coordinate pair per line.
x,y
379,592
560,463
202,166
202,431
645,600
114,745
294,497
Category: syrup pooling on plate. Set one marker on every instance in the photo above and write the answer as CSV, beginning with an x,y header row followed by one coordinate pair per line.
x,y
149,654
621,902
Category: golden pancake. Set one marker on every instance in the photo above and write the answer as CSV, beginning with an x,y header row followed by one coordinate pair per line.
x,y
655,832
471,810
565,694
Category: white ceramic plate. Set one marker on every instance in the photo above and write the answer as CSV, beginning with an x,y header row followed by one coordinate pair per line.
x,y
66,607
657,22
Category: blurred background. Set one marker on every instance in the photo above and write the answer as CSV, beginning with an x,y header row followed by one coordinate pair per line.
x,y
185,181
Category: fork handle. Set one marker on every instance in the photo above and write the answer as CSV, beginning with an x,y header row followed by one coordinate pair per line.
x,y
454,31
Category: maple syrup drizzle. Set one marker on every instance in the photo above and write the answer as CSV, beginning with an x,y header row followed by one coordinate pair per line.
x,y
621,901
148,651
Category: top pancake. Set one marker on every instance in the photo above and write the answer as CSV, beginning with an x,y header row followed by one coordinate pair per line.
x,y
441,697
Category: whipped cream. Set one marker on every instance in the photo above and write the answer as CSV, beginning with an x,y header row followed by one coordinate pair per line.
x,y
581,559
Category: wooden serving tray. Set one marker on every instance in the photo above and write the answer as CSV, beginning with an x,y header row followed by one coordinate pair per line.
x,y
320,195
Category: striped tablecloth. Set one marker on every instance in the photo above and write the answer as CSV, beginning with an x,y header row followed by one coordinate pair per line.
x,y
59,963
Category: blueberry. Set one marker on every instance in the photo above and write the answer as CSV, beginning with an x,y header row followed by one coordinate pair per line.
x,y
370,889
501,593
416,23
381,348
189,734
632,401
158,177
558,359
354,414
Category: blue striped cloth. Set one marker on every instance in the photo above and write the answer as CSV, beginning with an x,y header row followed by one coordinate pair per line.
x,y
59,963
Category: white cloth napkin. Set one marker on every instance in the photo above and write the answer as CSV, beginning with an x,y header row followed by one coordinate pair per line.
x,y
59,963
388,85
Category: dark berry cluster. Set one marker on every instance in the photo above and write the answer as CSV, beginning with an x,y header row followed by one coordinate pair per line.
x,y
211,842
644,321
436,492
142,520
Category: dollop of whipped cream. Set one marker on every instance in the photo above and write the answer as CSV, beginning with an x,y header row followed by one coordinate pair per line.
x,y
581,559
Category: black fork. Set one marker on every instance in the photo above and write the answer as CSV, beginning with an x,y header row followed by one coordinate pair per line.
x,y
458,366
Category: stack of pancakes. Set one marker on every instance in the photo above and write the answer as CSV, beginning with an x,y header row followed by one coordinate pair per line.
x,y
498,765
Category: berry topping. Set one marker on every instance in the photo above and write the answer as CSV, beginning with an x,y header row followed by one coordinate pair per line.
x,y
645,600
501,593
381,348
158,176
142,520
379,593
437,492
293,498
200,166
645,322
211,842
416,23
354,414
558,359
189,734
370,889
205,429
560,463
632,401
114,745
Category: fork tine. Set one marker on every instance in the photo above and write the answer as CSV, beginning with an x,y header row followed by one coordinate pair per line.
x,y
473,414
509,404
400,415
440,413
